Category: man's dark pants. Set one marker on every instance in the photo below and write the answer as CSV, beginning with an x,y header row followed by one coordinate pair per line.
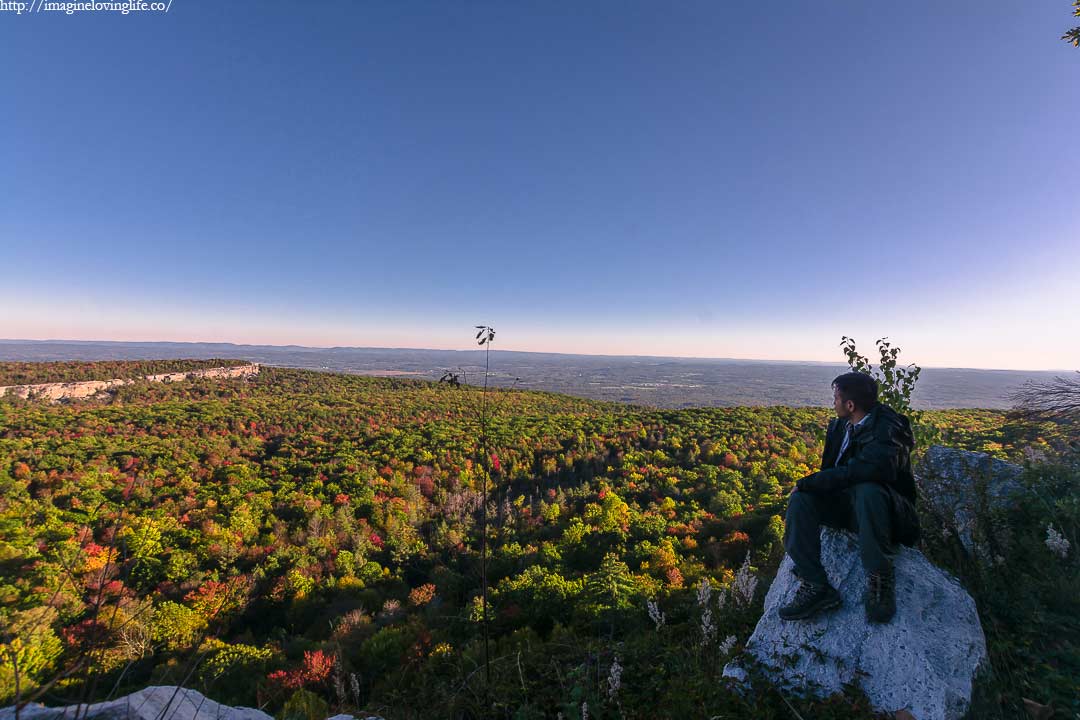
x,y
864,508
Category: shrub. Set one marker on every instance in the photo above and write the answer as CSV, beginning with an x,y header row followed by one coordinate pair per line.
x,y
1026,588
28,649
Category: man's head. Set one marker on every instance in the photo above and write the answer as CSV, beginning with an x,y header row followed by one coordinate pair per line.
x,y
854,395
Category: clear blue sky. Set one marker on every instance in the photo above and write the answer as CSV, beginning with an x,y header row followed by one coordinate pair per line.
x,y
695,178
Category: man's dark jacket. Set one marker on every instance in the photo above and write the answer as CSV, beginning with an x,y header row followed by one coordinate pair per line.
x,y
879,451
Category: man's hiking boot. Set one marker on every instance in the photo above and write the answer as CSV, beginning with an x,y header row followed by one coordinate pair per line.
x,y
810,599
881,596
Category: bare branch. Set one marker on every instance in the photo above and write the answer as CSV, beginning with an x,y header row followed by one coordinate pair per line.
x,y
1056,400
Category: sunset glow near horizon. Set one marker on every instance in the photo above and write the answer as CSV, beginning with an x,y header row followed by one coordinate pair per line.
x,y
621,178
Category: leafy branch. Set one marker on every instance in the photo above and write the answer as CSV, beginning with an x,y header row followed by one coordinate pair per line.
x,y
896,384
1073,36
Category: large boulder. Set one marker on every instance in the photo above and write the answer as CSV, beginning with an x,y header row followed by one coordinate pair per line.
x,y
924,661
960,486
157,702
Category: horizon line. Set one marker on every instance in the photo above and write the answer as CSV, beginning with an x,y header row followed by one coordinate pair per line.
x,y
532,352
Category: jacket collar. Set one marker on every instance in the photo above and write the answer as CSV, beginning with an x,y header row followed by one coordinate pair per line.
x,y
863,426
867,422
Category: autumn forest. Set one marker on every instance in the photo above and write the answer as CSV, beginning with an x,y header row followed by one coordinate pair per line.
x,y
305,541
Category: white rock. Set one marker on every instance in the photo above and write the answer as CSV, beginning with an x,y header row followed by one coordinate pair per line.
x,y
161,702
924,661
958,485
157,702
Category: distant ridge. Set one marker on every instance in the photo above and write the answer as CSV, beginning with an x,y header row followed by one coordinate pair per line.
x,y
366,348
657,381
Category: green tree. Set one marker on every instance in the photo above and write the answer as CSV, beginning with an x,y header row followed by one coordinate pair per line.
x,y
895,385
28,649
611,586
176,625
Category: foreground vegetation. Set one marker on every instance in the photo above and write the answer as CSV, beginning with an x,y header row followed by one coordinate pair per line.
x,y
308,542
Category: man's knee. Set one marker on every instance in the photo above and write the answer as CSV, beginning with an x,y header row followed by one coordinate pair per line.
x,y
871,500
800,508
801,516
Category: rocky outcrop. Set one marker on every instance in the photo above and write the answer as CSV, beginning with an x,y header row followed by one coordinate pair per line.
x,y
55,392
923,662
960,486
160,702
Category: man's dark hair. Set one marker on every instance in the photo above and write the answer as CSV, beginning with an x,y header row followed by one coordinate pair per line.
x,y
859,388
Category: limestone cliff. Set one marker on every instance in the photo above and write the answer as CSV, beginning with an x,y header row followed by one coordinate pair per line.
x,y
55,392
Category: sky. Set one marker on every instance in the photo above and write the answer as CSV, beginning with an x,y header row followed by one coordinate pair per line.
x,y
699,179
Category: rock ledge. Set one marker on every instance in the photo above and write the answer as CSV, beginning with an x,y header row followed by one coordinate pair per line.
x,y
924,661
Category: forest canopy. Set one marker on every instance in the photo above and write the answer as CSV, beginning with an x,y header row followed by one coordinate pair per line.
x,y
300,526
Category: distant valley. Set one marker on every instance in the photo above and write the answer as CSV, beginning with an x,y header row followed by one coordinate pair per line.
x,y
653,381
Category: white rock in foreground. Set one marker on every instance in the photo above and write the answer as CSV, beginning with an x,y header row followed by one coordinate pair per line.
x,y
157,702
923,661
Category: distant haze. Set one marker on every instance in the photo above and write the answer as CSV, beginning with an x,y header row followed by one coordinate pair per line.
x,y
664,382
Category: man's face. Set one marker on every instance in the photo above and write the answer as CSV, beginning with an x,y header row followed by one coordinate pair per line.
x,y
843,408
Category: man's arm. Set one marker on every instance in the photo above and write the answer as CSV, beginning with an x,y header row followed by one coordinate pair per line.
x,y
874,462
830,440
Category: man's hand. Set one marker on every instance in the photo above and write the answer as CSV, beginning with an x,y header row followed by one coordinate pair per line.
x,y
809,483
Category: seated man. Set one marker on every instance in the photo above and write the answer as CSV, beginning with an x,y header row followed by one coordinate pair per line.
x,y
865,485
